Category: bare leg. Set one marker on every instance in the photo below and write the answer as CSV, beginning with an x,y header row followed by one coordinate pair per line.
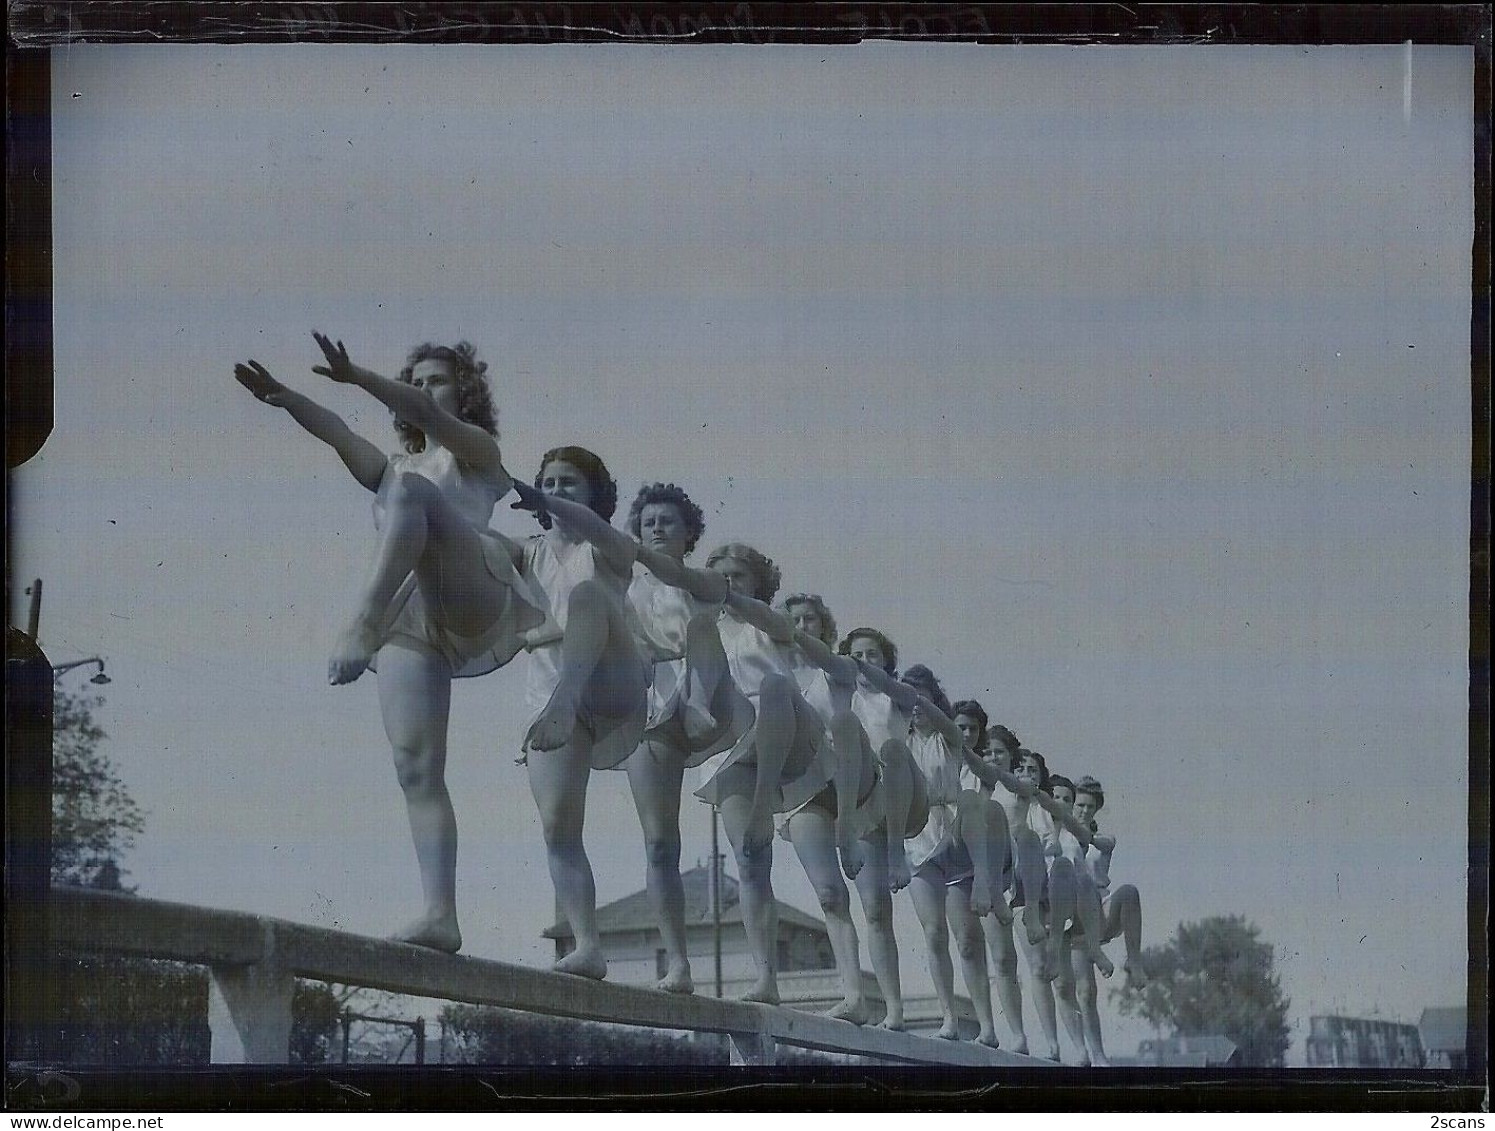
x,y
1009,993
1124,917
882,944
971,946
1068,1007
983,829
812,833
1084,974
773,740
594,663
1031,870
753,847
929,904
654,774
706,708
1040,992
558,780
1061,911
900,784
422,533
414,698
855,775
1092,923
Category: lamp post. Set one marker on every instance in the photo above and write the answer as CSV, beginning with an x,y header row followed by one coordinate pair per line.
x,y
98,677
716,901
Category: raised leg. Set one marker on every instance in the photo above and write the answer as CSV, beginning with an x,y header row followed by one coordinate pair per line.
x,y
774,737
1009,993
706,709
877,908
598,663
983,830
1124,917
1031,870
971,946
558,779
420,532
1061,910
753,847
1092,922
902,787
654,775
414,700
929,904
855,770
812,833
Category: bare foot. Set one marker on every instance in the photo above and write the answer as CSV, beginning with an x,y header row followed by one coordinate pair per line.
x,y
1053,1054
765,991
851,1010
584,963
1099,1061
893,1023
1101,962
980,898
355,647
852,858
949,1031
988,1037
899,876
1033,924
676,980
1020,1044
554,726
435,932
1136,976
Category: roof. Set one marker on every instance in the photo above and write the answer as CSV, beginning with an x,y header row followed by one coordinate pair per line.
x,y
1185,1051
1444,1028
634,912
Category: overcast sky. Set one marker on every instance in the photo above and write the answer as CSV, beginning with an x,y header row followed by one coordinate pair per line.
x,y
1128,388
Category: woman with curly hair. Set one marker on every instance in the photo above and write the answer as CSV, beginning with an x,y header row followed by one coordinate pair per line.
x,y
942,867
588,677
443,599
783,760
874,737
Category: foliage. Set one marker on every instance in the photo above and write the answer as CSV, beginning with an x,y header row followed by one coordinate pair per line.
x,y
1215,976
94,818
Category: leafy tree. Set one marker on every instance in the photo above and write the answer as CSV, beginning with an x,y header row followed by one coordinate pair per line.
x,y
1215,976
94,818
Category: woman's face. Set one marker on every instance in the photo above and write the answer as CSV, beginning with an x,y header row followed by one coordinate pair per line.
x,y
739,576
807,619
1063,795
867,650
661,528
1085,808
438,380
565,481
1027,769
970,728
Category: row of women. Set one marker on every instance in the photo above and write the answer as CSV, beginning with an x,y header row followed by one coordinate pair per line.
x,y
641,662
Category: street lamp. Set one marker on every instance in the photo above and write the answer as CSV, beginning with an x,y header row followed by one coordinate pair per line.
x,y
98,678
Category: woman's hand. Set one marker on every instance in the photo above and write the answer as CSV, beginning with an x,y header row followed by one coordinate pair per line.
x,y
338,366
256,378
533,501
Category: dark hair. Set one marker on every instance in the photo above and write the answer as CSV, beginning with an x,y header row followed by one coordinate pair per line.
x,y
474,398
602,488
817,602
1005,740
667,494
922,679
1089,785
1043,766
976,711
766,574
1056,780
889,649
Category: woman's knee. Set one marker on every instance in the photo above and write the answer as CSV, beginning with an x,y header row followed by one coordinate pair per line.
x,y
1007,964
662,852
833,897
418,770
969,941
1087,993
879,911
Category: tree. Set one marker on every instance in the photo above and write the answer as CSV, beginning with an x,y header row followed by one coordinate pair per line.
x,y
94,818
1215,976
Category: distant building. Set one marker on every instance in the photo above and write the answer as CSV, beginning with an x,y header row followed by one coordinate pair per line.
x,y
1203,1051
807,966
1362,1042
1445,1037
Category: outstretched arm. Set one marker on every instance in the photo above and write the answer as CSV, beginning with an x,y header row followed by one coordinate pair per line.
x,y
899,692
842,670
779,627
702,584
469,443
992,775
362,458
1070,822
585,523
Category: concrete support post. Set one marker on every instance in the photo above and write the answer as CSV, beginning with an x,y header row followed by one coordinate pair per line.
x,y
249,1010
756,1047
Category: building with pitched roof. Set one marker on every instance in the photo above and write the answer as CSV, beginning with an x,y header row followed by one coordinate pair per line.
x,y
1445,1036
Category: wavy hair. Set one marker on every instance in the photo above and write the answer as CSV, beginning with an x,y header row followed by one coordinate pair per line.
x,y
474,397
889,649
975,710
922,679
1009,742
766,573
660,494
1043,766
1056,780
817,602
1088,784
602,488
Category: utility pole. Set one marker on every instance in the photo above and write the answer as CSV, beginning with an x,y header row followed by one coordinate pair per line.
x,y
34,615
716,901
